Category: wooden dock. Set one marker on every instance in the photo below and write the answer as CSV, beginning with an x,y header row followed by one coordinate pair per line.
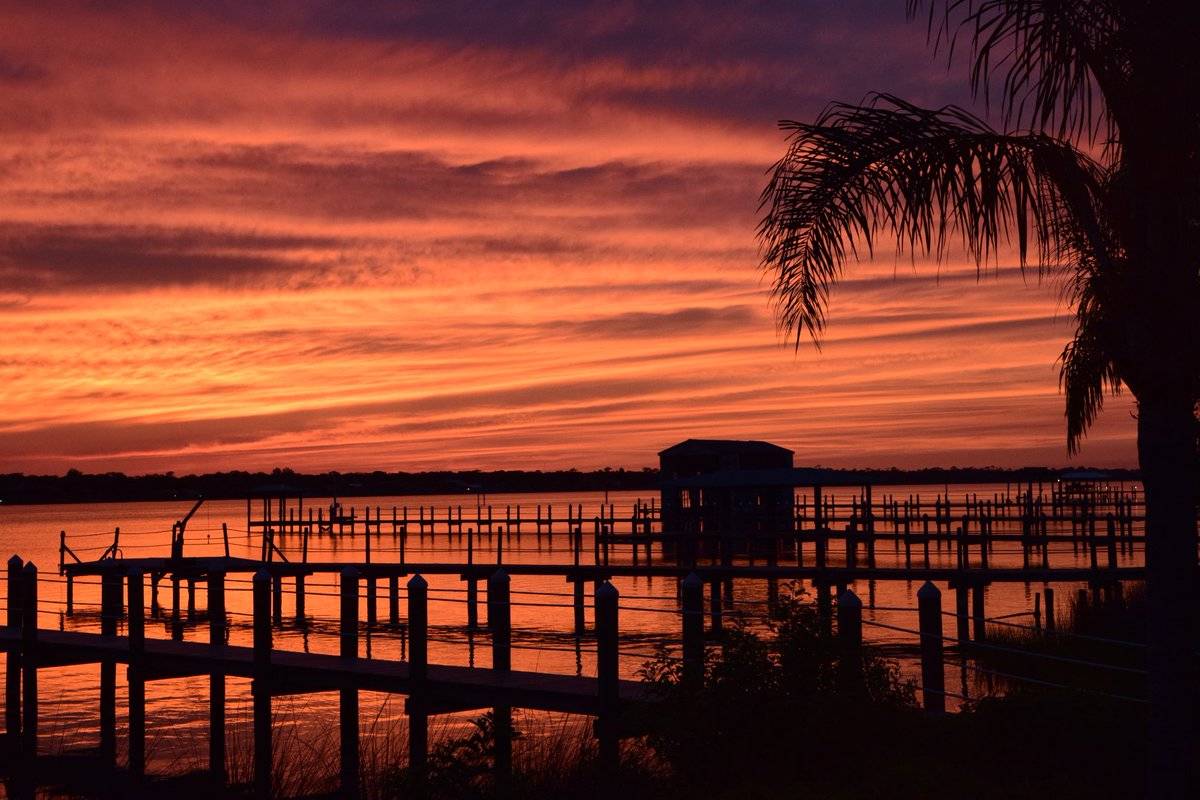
x,y
698,558
430,688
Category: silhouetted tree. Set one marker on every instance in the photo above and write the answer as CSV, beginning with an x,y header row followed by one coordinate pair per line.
x,y
1095,176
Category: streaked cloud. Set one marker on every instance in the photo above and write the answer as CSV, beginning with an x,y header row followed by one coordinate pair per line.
x,y
403,236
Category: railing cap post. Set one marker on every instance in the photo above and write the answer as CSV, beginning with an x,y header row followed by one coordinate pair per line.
x,y
692,580
849,599
15,562
351,573
263,574
607,591
499,577
417,582
929,591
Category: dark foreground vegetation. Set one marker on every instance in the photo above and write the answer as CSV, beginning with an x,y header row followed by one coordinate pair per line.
x,y
782,713
78,487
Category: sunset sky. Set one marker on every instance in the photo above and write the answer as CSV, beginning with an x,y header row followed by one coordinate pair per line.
x,y
451,235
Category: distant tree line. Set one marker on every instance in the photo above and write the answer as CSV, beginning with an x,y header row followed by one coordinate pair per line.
x,y
78,487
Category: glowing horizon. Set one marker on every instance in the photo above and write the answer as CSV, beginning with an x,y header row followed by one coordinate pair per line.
x,y
337,237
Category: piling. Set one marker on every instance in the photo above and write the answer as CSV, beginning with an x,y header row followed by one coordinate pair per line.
x,y
714,606
260,687
137,674
418,668
933,670
692,591
978,617
849,610
472,603
577,592
110,590
29,660
348,701
394,597
607,726
12,677
500,621
961,601
216,679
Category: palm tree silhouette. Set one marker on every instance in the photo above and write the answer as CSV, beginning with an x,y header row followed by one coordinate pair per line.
x,y
1095,177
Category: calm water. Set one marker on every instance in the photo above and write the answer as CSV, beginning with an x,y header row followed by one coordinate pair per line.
x,y
541,616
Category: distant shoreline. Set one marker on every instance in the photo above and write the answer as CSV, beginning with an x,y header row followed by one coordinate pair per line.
x,y
77,487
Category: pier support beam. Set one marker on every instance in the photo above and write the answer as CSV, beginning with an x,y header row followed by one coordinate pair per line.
x,y
500,618
607,677
692,592
300,610
137,673
933,670
29,660
216,679
580,620
12,664
394,600
418,668
472,604
260,688
348,705
110,599
978,616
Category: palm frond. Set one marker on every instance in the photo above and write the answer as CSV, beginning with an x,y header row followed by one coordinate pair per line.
x,y
930,179
1088,372
1061,65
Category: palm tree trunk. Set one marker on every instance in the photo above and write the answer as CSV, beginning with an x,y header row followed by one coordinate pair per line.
x,y
1167,452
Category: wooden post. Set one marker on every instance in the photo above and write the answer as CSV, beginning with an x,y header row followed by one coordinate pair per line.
x,y
500,620
824,604
394,599
933,670
216,678
472,603
1112,542
260,688
1050,622
110,585
372,602
137,673
714,606
300,600
607,677
348,706
849,611
225,537
29,660
960,611
277,600
577,592
418,669
692,591
12,665
978,616
819,527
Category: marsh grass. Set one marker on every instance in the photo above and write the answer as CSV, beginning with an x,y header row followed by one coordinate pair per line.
x,y
1098,650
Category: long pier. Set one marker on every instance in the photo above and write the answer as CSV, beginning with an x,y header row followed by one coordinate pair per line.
x,y
429,688
697,558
